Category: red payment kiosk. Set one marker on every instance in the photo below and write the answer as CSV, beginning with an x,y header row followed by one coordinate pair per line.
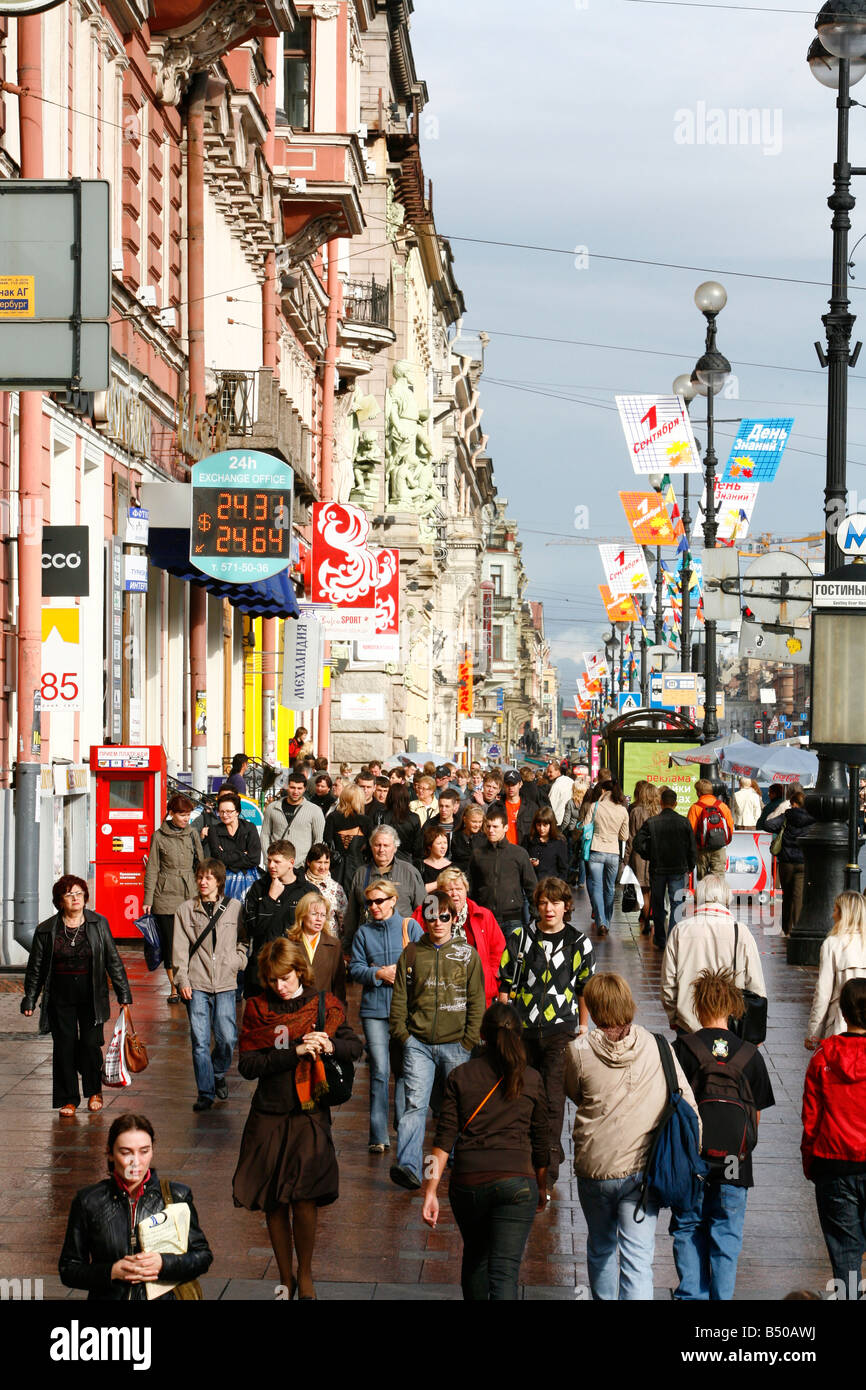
x,y
130,805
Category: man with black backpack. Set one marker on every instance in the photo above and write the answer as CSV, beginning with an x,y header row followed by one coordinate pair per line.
x,y
713,824
731,1086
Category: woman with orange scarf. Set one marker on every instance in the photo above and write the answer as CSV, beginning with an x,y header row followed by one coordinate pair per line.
x,y
287,1166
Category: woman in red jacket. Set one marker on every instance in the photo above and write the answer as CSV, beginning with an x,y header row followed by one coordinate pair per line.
x,y
834,1140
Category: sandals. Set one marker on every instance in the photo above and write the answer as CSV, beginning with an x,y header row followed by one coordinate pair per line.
x,y
95,1103
67,1111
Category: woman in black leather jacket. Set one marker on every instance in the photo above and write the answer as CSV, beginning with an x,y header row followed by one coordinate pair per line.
x,y
102,1252
72,956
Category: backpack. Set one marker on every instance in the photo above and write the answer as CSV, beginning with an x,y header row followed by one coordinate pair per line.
x,y
674,1168
712,830
729,1116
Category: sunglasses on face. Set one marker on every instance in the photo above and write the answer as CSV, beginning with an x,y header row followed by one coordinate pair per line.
x,y
444,917
377,902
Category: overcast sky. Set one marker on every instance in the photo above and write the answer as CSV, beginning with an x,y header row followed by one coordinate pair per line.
x,y
566,124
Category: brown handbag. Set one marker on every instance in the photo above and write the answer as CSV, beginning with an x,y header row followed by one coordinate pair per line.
x,y
134,1050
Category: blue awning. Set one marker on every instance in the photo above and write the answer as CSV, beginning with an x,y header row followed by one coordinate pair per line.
x,y
168,548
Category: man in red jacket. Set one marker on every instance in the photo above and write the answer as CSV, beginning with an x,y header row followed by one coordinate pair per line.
x,y
477,924
834,1140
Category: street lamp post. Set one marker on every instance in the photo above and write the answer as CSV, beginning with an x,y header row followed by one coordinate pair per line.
x,y
683,386
711,372
837,58
644,670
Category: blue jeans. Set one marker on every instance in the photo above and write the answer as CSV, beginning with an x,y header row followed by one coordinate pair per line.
x,y
217,1011
707,1242
422,1063
601,872
376,1034
841,1206
495,1219
609,1206
663,923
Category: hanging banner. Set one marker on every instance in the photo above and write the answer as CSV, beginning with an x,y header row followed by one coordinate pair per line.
x,y
626,570
487,623
619,610
659,434
62,660
388,593
735,502
464,696
757,450
345,571
303,652
648,517
596,666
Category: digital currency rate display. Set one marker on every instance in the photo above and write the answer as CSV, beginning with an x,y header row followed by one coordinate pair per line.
x,y
241,523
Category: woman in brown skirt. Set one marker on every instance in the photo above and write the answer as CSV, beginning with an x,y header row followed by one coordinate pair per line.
x,y
287,1166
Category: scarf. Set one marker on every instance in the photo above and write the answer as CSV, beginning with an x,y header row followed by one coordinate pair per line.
x,y
617,1034
267,1027
459,925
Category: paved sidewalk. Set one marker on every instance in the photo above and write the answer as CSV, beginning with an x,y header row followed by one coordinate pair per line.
x,y
372,1243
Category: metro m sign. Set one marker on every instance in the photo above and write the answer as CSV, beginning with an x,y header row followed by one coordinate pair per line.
x,y
852,534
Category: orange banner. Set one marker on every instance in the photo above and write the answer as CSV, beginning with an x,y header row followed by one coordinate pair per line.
x,y
649,519
464,694
619,610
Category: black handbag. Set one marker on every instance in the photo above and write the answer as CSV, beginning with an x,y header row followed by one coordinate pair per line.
x,y
339,1076
629,898
752,1027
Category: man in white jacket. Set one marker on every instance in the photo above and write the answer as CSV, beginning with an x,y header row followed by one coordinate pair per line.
x,y
706,942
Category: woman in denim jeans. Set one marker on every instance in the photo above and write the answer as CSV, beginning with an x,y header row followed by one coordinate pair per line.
x,y
605,807
494,1117
614,1076
376,948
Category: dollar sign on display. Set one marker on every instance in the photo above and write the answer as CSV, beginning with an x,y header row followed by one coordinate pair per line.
x,y
204,521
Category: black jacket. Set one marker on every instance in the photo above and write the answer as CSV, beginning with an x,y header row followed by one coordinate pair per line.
x,y
463,847
795,821
409,832
552,856
238,852
500,876
106,962
505,1135
770,812
668,842
274,1067
264,918
99,1232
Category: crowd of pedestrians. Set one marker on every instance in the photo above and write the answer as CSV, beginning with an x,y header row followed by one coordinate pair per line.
x,y
448,900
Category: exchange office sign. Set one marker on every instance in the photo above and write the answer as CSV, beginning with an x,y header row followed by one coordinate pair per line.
x,y
65,562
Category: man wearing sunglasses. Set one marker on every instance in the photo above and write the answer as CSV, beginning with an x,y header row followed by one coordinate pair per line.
x,y
436,1012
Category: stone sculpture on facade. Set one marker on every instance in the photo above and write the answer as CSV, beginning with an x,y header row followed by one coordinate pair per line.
x,y
360,451
409,481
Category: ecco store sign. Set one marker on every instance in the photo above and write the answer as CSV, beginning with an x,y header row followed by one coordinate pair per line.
x,y
65,562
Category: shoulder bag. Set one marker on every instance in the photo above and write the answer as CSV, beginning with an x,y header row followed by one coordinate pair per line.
x,y
339,1076
587,834
191,1291
752,1027
134,1050
395,1047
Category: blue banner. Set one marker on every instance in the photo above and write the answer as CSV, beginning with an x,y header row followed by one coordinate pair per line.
x,y
757,450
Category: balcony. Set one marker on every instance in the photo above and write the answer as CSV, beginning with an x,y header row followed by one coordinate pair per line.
x,y
365,325
253,412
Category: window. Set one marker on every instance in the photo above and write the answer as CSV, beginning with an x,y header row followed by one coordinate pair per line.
x,y
125,795
297,49
496,579
497,642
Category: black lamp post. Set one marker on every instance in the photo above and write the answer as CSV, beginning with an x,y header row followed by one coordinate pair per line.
x,y
711,372
683,386
837,58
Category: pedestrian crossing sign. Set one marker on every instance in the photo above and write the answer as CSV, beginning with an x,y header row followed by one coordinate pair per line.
x,y
628,702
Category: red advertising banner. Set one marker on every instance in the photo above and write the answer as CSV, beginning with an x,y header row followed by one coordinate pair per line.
x,y
487,622
388,593
345,572
464,696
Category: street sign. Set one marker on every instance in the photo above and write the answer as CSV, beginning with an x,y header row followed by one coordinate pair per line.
x,y
721,567
627,702
494,751
656,701
679,688
55,282
241,530
62,660
852,534
778,587
787,644
836,593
